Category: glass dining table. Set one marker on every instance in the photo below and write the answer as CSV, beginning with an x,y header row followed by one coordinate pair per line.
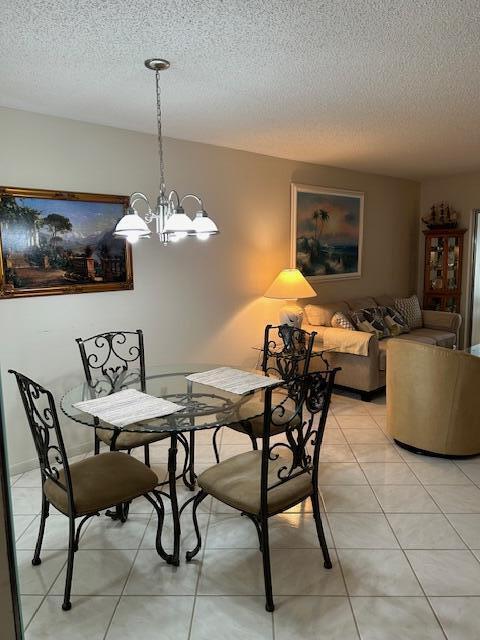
x,y
205,407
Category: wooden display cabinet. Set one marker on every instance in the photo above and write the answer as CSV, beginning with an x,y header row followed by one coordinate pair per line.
x,y
442,287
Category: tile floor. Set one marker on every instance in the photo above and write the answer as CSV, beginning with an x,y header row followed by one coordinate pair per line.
x,y
404,532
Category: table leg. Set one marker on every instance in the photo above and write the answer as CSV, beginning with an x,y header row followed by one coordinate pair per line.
x,y
191,468
172,482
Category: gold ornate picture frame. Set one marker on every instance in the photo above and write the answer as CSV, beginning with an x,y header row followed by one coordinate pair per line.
x,y
59,242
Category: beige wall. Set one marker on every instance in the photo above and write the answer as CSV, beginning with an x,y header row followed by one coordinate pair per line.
x,y
197,302
463,193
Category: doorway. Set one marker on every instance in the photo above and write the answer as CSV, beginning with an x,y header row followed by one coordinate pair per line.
x,y
474,334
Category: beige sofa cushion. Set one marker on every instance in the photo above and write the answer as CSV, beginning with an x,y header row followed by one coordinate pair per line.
x,y
322,314
442,338
361,303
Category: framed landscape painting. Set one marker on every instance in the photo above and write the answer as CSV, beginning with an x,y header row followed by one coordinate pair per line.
x,y
54,242
327,232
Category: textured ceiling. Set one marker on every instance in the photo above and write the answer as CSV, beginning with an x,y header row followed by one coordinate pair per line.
x,y
377,85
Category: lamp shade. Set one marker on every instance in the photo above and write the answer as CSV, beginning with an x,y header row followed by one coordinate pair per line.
x,y
203,224
290,285
131,226
178,222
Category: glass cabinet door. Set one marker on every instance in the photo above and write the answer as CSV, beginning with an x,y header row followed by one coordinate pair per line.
x,y
453,252
437,263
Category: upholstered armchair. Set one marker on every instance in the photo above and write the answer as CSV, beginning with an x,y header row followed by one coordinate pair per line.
x,y
433,398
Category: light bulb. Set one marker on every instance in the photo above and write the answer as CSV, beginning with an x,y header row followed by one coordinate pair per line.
x,y
133,237
179,235
203,236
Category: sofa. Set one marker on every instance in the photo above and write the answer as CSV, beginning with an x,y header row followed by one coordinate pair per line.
x,y
433,400
366,374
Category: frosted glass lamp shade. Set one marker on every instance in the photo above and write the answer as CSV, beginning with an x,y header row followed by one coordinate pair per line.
x,y
203,225
290,284
178,222
131,227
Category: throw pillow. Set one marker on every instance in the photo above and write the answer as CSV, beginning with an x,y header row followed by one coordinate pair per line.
x,y
371,320
409,308
395,322
340,321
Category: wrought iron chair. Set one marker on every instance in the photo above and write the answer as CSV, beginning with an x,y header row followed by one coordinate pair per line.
x,y
119,358
261,484
85,488
286,353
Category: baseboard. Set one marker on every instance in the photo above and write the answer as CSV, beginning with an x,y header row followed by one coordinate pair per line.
x,y
28,465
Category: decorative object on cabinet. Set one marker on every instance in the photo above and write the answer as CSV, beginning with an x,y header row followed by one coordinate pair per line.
x,y
442,216
443,269
327,232
56,242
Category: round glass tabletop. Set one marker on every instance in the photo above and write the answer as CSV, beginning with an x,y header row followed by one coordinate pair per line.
x,y
205,406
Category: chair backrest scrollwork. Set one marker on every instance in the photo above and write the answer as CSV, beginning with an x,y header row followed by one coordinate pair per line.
x,y
286,351
304,429
42,417
117,357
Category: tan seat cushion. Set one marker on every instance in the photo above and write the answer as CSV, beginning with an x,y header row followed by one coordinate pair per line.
x,y
255,406
129,439
236,482
441,337
102,481
415,336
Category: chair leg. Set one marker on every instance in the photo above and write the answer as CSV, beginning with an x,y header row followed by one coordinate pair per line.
x,y
44,515
267,571
327,563
201,495
254,441
146,454
67,605
214,443
160,510
96,444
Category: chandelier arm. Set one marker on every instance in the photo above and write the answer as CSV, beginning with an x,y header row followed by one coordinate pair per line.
x,y
138,196
173,194
192,195
159,132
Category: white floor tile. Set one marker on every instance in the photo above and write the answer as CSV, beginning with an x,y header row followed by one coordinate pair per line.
x,y
231,572
21,524
375,453
55,537
29,605
314,618
38,580
333,436
30,479
232,617
396,619
101,573
468,526
471,468
389,473
26,500
301,572
460,617
341,473
424,531
231,532
13,479
151,618
372,435
456,499
384,572
404,499
296,531
350,499
88,618
354,410
140,505
361,531
439,472
105,533
446,573
337,453
151,575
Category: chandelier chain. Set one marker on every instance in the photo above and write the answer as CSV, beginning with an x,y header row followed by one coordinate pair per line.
x,y
159,128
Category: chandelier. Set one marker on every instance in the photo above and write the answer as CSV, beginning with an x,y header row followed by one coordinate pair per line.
x,y
171,222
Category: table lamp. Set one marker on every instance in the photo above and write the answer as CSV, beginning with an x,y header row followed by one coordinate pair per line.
x,y
290,285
